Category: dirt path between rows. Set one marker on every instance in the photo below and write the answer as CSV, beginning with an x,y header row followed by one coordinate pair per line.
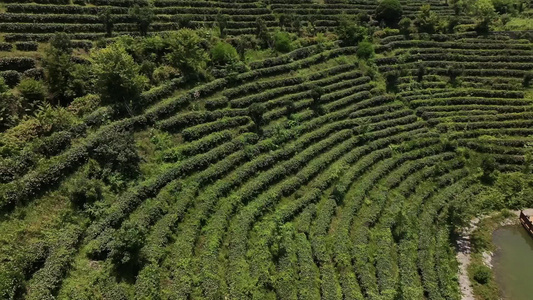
x,y
464,249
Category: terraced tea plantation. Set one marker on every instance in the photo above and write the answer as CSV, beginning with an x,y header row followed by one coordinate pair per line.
x,y
299,149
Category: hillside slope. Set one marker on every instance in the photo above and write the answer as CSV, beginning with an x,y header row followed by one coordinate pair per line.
x,y
312,174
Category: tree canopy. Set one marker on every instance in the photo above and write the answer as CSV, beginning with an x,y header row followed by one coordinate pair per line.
x,y
390,12
117,76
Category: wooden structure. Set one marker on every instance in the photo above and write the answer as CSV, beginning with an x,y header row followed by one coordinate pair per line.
x,y
526,222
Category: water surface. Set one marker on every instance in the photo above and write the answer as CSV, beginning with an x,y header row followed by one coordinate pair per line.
x,y
513,262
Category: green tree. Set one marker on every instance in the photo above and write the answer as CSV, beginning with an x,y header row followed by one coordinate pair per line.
x,y
116,153
61,42
487,164
390,12
107,20
296,25
84,191
485,12
452,23
143,17
427,20
222,22
186,52
365,50
285,21
458,6
316,94
420,72
256,111
282,42
244,42
405,25
349,32
223,54
117,76
391,80
453,72
262,33
528,77
59,67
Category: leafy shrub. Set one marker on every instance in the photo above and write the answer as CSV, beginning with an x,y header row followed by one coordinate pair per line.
x,y
35,73
32,91
84,105
52,118
10,106
224,53
164,73
389,11
3,86
116,152
482,274
11,77
282,42
365,50
83,190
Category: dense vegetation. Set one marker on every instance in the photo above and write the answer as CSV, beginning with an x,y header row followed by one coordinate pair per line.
x,y
176,149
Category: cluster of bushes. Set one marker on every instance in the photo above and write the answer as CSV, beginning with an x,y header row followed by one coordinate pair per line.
x,y
136,63
356,33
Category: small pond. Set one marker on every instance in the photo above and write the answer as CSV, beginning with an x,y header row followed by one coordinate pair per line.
x,y
513,262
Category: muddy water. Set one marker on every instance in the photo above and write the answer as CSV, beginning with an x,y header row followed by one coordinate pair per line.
x,y
513,262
